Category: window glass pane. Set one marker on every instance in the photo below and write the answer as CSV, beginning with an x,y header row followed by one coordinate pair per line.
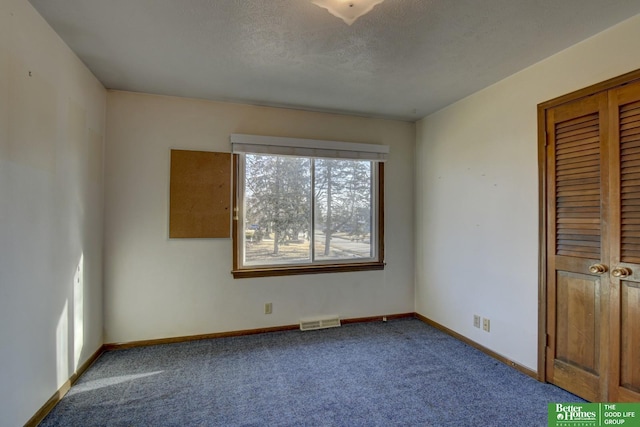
x,y
343,209
277,212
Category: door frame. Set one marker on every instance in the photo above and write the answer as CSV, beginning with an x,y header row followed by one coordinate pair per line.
x,y
542,200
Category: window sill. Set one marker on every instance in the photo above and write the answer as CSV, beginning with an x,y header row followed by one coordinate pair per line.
x,y
306,269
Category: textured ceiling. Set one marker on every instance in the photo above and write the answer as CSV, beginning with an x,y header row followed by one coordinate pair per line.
x,y
403,60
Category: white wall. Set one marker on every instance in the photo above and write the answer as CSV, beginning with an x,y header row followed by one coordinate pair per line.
x,y
158,288
477,195
52,118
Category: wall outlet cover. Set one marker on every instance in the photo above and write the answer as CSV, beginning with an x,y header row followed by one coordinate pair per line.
x,y
486,324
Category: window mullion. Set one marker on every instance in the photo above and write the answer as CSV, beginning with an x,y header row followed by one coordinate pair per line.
x,y
373,216
312,226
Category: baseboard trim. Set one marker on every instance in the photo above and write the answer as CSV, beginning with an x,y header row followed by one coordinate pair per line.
x,y
480,347
174,340
378,318
187,338
60,393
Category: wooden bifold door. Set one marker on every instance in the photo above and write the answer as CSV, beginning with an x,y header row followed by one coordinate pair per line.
x,y
591,284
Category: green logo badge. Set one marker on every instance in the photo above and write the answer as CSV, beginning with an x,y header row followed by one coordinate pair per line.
x,y
594,414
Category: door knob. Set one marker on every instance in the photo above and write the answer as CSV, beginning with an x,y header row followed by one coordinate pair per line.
x,y
621,272
597,269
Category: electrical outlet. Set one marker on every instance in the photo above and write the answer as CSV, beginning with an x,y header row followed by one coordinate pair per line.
x,y
476,321
268,308
486,324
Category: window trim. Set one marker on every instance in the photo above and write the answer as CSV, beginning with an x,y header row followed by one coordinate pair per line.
x,y
292,269
258,144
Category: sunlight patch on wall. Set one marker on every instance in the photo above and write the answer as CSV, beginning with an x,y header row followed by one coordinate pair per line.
x,y
78,313
62,346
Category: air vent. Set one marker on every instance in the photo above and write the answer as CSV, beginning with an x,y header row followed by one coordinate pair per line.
x,y
319,323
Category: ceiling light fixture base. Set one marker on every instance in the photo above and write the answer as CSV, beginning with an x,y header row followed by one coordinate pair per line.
x,y
347,10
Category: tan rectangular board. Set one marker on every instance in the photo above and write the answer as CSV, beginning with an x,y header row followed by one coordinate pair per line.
x,y
200,193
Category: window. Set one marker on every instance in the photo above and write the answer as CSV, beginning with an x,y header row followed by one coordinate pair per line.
x,y
306,206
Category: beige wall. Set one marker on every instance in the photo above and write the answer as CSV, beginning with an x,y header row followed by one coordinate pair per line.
x,y
158,288
52,113
477,195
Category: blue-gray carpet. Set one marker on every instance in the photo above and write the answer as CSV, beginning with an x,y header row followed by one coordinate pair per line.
x,y
402,372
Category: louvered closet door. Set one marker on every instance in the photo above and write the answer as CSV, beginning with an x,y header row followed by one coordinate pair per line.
x,y
578,252
624,140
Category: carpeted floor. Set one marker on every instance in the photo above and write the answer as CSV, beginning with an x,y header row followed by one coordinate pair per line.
x,y
402,372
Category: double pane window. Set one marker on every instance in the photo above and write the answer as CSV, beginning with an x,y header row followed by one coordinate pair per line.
x,y
306,214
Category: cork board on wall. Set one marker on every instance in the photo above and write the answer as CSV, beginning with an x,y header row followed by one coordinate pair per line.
x,y
200,193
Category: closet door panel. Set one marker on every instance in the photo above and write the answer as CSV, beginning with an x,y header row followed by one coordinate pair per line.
x,y
577,249
624,140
